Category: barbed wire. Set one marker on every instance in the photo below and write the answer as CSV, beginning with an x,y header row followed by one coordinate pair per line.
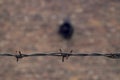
x,y
64,55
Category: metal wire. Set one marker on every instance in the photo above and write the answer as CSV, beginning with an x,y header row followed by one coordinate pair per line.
x,y
64,55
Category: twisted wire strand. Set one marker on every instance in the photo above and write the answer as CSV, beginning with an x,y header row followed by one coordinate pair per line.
x,y
64,55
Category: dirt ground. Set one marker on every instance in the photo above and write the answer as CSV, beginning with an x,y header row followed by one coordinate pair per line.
x,y
31,26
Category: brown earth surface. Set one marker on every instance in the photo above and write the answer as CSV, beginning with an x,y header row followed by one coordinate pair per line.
x,y
31,26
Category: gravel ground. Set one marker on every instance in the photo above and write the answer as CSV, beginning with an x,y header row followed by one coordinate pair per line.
x,y
32,26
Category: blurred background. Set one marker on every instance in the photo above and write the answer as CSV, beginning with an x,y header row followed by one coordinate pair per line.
x,y
32,26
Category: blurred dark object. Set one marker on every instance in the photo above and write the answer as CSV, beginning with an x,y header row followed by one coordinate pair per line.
x,y
66,30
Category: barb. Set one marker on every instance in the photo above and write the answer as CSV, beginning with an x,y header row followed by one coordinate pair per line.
x,y
64,55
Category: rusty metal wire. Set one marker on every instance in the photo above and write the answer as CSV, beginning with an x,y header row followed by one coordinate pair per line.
x,y
64,55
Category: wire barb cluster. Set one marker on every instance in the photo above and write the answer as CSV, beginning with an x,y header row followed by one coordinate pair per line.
x,y
64,55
